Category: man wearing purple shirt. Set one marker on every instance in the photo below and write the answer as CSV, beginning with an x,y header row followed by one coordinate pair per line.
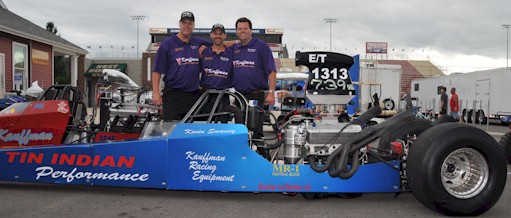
x,y
216,66
178,60
217,61
253,66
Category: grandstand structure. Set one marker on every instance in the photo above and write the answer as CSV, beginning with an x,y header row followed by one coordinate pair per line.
x,y
272,37
411,69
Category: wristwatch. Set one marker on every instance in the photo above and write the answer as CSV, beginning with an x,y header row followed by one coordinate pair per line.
x,y
271,91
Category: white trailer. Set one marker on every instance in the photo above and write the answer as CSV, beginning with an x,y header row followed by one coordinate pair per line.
x,y
482,94
383,79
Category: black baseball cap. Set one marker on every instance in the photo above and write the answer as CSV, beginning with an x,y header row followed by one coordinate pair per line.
x,y
218,26
187,15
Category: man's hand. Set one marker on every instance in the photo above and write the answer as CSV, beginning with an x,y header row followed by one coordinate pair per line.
x,y
202,48
156,99
155,77
270,99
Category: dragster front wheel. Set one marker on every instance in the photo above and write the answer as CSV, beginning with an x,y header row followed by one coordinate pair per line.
x,y
456,169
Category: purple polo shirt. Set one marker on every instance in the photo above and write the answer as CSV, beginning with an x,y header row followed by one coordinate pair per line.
x,y
217,69
252,65
179,62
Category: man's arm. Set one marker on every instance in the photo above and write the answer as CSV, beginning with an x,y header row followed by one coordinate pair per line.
x,y
270,98
442,102
156,88
456,102
230,43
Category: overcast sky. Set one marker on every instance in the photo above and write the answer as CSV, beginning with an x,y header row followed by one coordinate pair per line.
x,y
460,35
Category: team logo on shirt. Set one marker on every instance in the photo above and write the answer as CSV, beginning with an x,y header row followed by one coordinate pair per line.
x,y
251,50
224,59
185,61
243,63
194,47
216,72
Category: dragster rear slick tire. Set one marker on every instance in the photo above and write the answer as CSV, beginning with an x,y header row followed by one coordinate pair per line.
x,y
456,169
505,142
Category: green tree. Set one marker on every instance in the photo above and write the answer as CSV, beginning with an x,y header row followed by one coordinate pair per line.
x,y
61,63
50,26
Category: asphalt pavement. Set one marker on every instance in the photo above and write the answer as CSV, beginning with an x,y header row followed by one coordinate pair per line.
x,y
40,200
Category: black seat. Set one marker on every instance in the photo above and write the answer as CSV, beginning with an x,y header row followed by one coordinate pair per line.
x,y
50,94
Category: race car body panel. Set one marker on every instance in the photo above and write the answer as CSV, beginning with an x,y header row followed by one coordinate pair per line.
x,y
212,157
33,123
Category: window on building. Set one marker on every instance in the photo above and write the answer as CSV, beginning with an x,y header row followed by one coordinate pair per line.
x,y
416,87
20,66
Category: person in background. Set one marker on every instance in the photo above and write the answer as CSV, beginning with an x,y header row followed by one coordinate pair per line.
x,y
454,104
443,101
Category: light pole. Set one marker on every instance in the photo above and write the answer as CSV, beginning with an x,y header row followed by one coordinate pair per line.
x,y
137,18
507,26
330,21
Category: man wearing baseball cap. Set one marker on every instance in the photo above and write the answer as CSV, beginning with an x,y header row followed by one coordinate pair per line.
x,y
216,66
217,61
177,60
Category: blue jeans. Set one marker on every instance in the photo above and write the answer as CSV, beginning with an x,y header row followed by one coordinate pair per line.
x,y
454,114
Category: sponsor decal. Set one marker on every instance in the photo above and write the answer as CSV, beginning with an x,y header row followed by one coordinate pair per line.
x,y
209,131
204,167
39,106
185,61
25,136
194,47
237,51
208,58
77,160
285,170
283,187
62,108
216,72
251,50
243,63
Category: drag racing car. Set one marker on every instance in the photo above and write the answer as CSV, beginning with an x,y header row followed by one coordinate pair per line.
x,y
451,168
